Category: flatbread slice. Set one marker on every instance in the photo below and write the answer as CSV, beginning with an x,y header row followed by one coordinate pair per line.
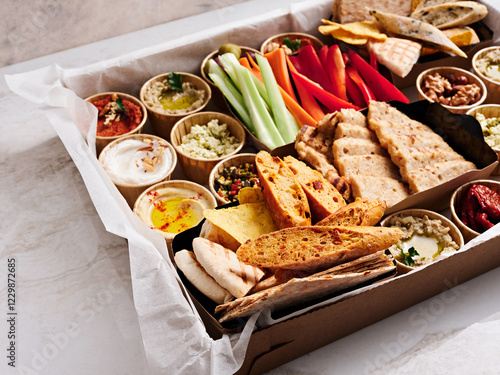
x,y
436,174
384,188
416,30
223,265
300,290
368,165
397,54
201,280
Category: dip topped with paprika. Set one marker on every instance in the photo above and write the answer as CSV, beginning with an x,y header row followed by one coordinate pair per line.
x,y
117,115
173,206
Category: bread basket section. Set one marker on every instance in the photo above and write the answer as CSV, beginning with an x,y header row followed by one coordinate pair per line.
x,y
281,236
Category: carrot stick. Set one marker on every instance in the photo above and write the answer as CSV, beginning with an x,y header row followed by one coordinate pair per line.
x,y
277,60
298,113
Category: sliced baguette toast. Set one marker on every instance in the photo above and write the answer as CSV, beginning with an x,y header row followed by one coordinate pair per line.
x,y
285,197
322,196
361,212
315,247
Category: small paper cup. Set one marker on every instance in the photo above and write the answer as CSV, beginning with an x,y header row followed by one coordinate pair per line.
x,y
278,38
217,95
145,203
418,212
198,169
444,70
235,160
455,204
492,86
161,121
131,191
102,142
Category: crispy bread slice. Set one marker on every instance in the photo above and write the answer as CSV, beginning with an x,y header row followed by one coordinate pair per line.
x,y
315,247
361,212
322,196
285,197
300,290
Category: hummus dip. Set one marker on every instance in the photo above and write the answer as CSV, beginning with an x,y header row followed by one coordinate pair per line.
x,y
172,207
160,97
489,65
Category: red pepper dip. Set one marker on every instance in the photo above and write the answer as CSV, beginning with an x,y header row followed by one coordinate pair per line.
x,y
480,208
117,116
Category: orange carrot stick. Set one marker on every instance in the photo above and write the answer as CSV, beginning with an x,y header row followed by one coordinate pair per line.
x,y
298,113
277,60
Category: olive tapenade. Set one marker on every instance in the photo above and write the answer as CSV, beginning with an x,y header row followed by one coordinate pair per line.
x,y
233,178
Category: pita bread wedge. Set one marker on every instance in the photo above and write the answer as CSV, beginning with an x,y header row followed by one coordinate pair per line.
x,y
223,265
300,290
451,14
201,280
416,30
397,54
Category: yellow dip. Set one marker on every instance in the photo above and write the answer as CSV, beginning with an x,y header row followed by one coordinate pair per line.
x,y
174,100
174,215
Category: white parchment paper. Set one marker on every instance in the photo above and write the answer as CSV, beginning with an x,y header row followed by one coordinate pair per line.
x,y
174,336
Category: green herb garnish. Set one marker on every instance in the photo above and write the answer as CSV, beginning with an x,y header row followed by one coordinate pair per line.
x,y
175,81
119,105
294,46
408,257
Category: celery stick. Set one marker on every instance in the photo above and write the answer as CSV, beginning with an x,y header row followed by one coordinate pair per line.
x,y
231,93
265,128
229,61
285,122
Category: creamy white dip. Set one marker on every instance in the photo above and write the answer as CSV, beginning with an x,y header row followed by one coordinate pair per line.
x,y
138,162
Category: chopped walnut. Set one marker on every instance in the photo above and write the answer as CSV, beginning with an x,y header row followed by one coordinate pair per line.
x,y
467,94
435,84
451,90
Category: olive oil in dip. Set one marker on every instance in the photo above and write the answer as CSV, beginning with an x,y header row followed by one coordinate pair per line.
x,y
427,247
493,70
175,101
174,215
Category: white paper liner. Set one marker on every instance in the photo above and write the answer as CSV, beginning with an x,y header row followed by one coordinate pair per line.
x,y
174,336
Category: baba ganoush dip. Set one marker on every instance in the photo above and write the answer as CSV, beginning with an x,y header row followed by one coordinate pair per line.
x,y
172,207
489,64
138,160
163,98
423,240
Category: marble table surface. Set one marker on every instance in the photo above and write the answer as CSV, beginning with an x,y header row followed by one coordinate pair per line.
x,y
74,305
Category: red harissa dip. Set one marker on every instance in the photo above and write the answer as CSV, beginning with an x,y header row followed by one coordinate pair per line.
x,y
117,116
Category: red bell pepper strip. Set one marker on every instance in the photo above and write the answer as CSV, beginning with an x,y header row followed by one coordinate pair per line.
x,y
308,64
335,68
354,93
307,100
356,78
380,86
327,99
373,61
323,54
